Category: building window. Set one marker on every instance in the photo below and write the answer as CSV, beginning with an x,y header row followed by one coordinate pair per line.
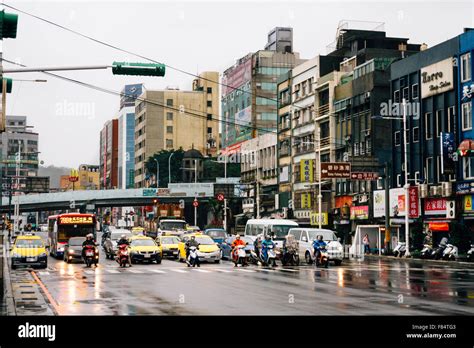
x,y
209,117
439,122
209,103
429,170
465,67
416,134
396,96
209,130
406,94
428,133
438,169
397,137
209,90
169,143
169,116
450,118
466,110
414,91
169,129
169,102
468,167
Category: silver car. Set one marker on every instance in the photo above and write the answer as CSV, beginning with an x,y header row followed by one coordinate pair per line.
x,y
306,237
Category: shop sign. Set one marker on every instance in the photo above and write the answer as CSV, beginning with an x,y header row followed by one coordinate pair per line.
x,y
438,226
463,188
468,203
379,203
413,199
360,212
314,219
306,170
437,78
397,202
467,91
435,206
335,170
448,153
305,200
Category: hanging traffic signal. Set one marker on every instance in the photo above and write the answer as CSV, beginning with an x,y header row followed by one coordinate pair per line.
x,y
8,25
9,82
138,69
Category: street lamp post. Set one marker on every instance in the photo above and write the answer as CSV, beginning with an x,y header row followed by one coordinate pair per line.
x,y
157,173
320,196
169,167
407,185
195,194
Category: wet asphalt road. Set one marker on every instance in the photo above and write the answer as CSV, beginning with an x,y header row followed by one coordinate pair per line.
x,y
380,287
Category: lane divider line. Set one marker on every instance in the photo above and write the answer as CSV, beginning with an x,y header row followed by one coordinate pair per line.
x,y
50,298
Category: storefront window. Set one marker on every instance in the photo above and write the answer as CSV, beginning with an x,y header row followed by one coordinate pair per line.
x,y
466,67
468,167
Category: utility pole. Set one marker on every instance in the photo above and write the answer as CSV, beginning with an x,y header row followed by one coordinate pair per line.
x,y
387,206
157,173
320,196
225,214
169,167
16,212
407,185
257,193
195,193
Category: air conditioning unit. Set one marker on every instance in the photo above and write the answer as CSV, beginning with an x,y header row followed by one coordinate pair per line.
x,y
447,189
424,190
434,191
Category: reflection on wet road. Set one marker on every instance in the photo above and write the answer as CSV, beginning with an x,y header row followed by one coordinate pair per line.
x,y
381,287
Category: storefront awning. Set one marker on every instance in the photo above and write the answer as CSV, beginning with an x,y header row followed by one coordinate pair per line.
x,y
466,147
438,226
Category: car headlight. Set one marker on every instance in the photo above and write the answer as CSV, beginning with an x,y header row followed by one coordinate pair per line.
x,y
70,251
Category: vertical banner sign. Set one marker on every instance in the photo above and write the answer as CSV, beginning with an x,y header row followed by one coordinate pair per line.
x,y
306,170
447,153
306,200
414,207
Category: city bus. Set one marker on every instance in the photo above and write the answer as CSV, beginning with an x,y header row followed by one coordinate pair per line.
x,y
64,226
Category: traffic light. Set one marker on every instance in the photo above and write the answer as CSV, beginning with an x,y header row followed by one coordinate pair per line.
x,y
8,25
9,82
138,69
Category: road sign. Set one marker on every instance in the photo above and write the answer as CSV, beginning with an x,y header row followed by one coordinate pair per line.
x,y
220,197
195,204
364,175
335,170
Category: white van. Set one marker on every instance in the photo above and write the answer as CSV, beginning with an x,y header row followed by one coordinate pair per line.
x,y
278,228
306,236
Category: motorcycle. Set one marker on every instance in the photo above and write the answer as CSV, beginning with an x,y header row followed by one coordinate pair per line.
x,y
239,256
122,255
323,259
290,257
400,249
193,258
426,252
450,253
271,256
470,254
438,252
254,258
91,255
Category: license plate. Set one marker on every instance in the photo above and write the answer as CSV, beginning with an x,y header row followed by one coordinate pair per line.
x,y
147,256
31,259
89,253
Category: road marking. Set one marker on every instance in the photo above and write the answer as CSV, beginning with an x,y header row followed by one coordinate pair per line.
x,y
112,271
202,271
135,271
179,270
43,272
288,270
51,300
224,270
245,270
89,271
157,271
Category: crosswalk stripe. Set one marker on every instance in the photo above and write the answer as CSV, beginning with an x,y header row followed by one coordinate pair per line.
x,y
43,272
179,270
112,271
245,270
134,271
157,271
89,271
288,270
202,270
224,270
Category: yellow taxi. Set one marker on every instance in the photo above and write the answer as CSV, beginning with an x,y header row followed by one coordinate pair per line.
x,y
208,250
29,250
169,245
144,249
138,231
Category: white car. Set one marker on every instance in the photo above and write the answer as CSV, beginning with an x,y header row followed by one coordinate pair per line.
x,y
306,236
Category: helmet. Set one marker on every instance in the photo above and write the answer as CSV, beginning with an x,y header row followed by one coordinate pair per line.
x,y
193,237
89,236
122,236
267,237
320,237
237,236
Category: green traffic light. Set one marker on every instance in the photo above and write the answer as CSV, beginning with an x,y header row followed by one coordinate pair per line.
x,y
8,25
9,85
138,69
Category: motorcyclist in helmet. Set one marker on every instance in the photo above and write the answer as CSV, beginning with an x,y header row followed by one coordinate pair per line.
x,y
318,244
257,245
237,241
192,242
265,245
124,241
89,241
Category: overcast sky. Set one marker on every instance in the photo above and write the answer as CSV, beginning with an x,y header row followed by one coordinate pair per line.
x,y
191,35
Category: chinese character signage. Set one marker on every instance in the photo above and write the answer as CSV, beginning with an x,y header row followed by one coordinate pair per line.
x,y
397,202
413,199
364,176
467,91
464,187
435,206
306,170
76,220
447,153
314,219
305,200
338,170
148,192
360,212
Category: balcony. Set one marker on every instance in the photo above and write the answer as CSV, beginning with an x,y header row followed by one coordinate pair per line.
x,y
322,110
325,142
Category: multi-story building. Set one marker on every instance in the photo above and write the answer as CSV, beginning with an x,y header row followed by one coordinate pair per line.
x,y
19,137
259,164
109,155
89,179
249,92
126,135
170,119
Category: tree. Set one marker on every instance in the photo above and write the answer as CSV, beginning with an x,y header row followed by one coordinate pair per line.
x,y
213,169
163,157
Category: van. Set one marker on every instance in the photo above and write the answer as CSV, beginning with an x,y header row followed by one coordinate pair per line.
x,y
306,236
276,228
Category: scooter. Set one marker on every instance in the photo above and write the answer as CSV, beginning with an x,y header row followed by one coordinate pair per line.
x,y
239,256
91,255
290,257
323,258
122,255
271,257
450,253
193,258
400,249
426,252
254,259
438,252
470,254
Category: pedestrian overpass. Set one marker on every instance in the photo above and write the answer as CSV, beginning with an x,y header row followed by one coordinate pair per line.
x,y
92,199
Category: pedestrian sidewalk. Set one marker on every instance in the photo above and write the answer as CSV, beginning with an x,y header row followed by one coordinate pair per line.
x,y
427,261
